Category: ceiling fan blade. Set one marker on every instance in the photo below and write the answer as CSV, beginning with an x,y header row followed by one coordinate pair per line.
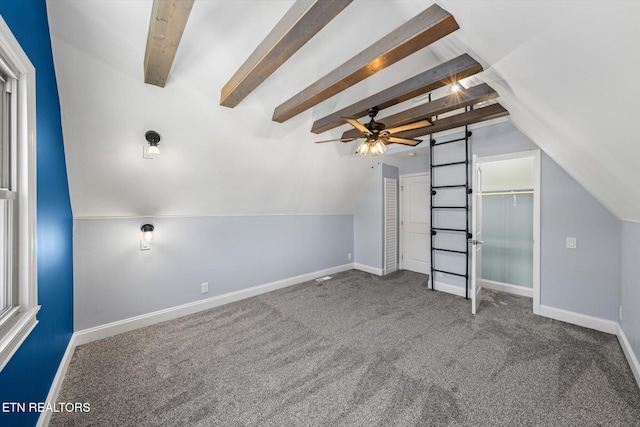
x,y
410,126
405,141
356,124
336,140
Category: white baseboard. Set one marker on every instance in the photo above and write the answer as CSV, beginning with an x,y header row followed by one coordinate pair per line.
x,y
629,354
125,325
597,323
508,288
368,269
450,289
45,416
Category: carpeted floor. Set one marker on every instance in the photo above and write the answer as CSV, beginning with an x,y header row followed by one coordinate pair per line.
x,y
357,350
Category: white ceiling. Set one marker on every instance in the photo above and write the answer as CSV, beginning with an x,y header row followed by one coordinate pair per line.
x,y
565,70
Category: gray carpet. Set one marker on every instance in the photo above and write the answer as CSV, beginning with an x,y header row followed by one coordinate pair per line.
x,y
357,350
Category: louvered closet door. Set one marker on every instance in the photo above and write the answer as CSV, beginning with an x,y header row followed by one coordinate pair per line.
x,y
390,225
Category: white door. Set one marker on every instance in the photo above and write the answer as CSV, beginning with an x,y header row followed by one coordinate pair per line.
x,y
415,223
476,242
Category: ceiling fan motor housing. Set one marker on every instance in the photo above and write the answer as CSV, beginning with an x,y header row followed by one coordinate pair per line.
x,y
375,127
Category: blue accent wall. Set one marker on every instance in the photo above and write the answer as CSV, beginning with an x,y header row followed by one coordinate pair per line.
x,y
29,374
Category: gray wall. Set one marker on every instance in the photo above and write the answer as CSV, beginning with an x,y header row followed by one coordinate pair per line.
x,y
584,280
416,164
114,280
630,283
369,219
367,223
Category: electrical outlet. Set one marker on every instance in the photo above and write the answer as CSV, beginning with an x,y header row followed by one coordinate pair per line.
x,y
349,255
204,287
620,312
572,243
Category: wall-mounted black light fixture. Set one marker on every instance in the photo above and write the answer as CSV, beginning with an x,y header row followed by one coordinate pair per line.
x,y
153,138
147,232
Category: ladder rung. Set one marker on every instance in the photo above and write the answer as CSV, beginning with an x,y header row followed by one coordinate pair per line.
x,y
449,142
448,207
464,162
450,186
450,250
460,230
450,272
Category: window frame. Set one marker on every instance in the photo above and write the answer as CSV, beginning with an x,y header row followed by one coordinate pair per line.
x,y
20,320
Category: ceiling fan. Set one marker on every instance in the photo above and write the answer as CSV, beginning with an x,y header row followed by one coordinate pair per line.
x,y
376,136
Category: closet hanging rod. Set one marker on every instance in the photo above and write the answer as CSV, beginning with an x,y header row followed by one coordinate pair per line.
x,y
507,193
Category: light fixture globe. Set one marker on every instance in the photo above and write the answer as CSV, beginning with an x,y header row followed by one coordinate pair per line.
x,y
363,149
147,232
153,138
381,147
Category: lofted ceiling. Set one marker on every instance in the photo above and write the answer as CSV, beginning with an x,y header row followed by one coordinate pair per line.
x,y
564,70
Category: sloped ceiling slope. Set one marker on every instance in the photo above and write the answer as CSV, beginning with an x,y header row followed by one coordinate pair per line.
x,y
567,73
214,160
563,69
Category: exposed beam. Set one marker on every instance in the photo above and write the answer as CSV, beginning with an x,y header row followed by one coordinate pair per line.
x,y
427,81
297,26
422,30
455,101
477,115
168,19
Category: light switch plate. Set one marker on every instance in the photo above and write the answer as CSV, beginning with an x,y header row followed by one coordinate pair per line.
x,y
144,246
572,243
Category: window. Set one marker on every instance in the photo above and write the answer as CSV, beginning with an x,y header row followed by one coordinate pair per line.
x,y
18,275
7,196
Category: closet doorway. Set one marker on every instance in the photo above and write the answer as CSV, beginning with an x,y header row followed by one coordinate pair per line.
x,y
511,224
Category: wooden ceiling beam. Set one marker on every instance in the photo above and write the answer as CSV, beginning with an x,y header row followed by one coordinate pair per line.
x,y
168,20
427,81
303,20
455,101
430,25
476,115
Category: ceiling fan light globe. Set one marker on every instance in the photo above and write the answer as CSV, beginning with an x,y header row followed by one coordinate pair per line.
x,y
380,147
363,149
